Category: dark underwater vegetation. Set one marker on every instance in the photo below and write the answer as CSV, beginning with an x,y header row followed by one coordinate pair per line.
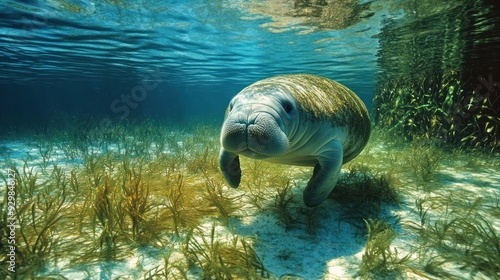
x,y
109,140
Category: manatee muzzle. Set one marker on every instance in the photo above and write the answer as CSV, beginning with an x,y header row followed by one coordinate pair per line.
x,y
256,135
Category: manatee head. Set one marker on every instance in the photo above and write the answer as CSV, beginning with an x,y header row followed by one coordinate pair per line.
x,y
258,122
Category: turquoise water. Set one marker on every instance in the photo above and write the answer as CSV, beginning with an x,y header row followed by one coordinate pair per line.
x,y
80,56
192,42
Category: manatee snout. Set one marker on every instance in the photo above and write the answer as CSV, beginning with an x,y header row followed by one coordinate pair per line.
x,y
256,134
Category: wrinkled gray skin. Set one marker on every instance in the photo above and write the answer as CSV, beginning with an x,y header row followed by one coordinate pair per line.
x,y
269,126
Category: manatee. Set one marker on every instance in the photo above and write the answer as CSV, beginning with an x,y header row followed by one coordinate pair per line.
x,y
298,119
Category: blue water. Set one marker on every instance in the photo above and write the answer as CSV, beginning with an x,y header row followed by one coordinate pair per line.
x,y
80,56
186,59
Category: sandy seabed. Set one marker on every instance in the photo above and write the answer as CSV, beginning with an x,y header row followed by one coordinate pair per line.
x,y
304,243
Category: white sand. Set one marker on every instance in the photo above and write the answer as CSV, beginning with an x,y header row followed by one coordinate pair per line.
x,y
332,251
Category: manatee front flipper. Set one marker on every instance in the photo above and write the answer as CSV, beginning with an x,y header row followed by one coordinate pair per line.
x,y
325,174
230,166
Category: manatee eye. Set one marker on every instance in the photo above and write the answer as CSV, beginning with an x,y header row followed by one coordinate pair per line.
x,y
287,106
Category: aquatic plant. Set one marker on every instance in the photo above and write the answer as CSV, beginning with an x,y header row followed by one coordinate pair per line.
x,y
422,214
125,193
206,161
256,182
268,185
180,216
94,168
439,106
106,216
68,151
460,237
136,201
220,200
211,258
178,148
45,152
424,161
119,203
282,204
112,210
362,193
379,259
39,211
202,147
